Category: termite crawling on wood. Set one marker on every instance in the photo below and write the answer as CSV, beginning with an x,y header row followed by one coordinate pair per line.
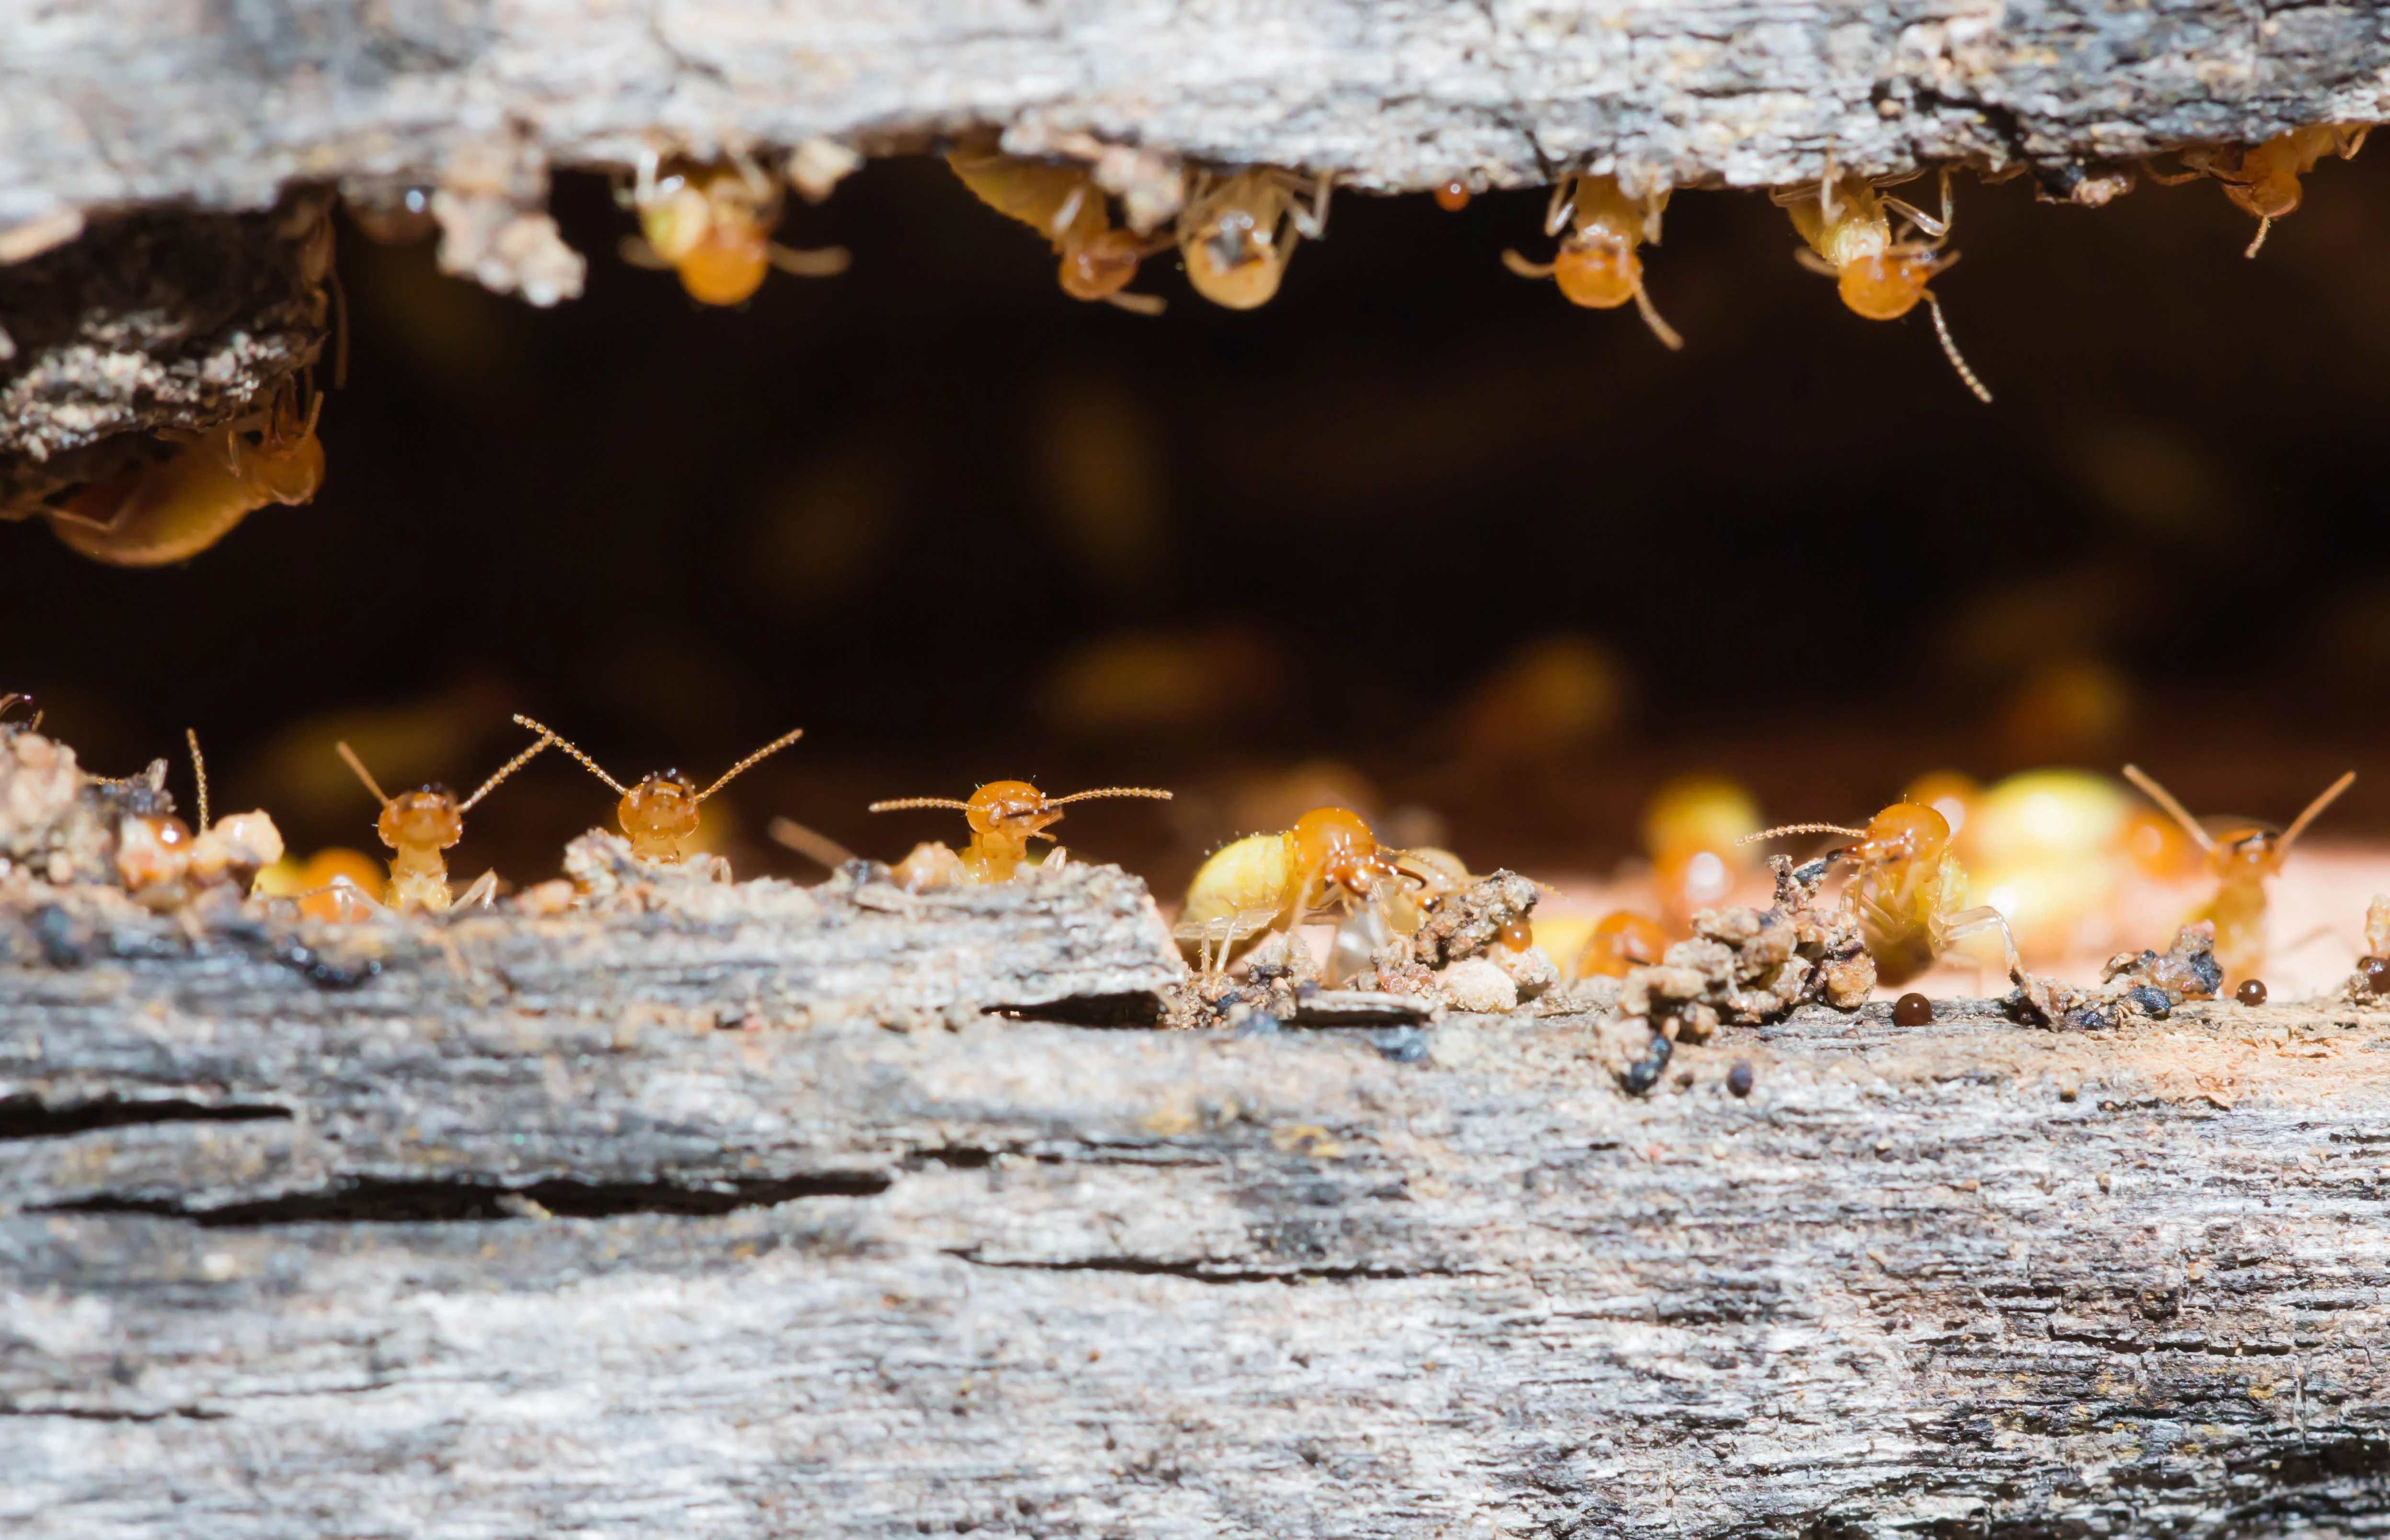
x,y
1597,265
419,826
661,811
1237,232
2242,856
1906,890
712,223
1003,817
1847,225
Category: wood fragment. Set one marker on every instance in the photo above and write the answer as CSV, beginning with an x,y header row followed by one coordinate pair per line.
x,y
519,1248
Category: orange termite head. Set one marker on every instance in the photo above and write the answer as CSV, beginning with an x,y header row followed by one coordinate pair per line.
x,y
1886,288
2246,850
2251,850
663,807
1101,266
1623,940
1234,258
287,461
428,816
1337,842
713,224
1904,831
1600,275
1012,807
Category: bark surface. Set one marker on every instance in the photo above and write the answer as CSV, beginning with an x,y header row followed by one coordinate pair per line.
x,y
121,102
493,1244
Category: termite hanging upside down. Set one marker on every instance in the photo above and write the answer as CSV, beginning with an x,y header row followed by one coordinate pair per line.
x,y
1061,202
1237,233
2265,181
661,811
2240,856
1597,265
1265,881
1906,889
418,825
1848,226
712,224
1003,817
172,511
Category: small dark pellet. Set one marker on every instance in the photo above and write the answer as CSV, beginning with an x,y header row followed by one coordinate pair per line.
x,y
1912,1010
2251,993
1738,1079
2377,974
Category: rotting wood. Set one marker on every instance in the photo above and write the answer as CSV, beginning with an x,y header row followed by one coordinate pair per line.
x,y
472,1260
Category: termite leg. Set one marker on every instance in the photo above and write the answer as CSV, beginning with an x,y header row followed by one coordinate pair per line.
x,y
635,250
821,263
484,887
1974,922
1562,207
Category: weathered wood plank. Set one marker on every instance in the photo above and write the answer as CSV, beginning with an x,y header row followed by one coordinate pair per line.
x,y
1035,1278
133,102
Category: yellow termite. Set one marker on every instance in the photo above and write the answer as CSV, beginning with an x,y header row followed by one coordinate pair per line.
x,y
1265,881
661,811
419,826
2242,857
1596,265
1003,817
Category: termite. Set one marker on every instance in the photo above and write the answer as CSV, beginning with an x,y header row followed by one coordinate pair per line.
x,y
661,811
1848,226
418,825
1003,817
1267,882
2240,856
1906,889
1596,265
172,511
2265,181
1237,231
1062,203
712,224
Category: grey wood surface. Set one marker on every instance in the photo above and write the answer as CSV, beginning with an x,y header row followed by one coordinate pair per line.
x,y
117,102
466,1251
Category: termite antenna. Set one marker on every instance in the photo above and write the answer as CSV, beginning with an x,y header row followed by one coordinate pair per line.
x,y
1801,828
1951,350
1110,791
507,769
1660,328
2265,224
566,744
810,843
1524,268
198,773
2315,809
765,752
362,774
340,329
9,702
901,803
2174,810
